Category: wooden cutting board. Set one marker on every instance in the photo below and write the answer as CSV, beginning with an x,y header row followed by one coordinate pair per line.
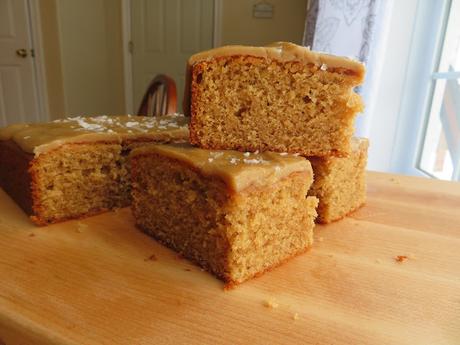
x,y
101,281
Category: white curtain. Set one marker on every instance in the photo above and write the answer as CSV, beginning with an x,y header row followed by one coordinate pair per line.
x,y
353,28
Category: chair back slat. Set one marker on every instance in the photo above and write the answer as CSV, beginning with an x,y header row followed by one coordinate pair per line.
x,y
160,97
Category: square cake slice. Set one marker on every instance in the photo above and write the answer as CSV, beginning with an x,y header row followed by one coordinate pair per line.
x,y
281,98
340,183
77,167
235,214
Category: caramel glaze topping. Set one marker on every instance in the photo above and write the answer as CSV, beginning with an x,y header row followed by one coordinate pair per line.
x,y
283,52
38,138
239,170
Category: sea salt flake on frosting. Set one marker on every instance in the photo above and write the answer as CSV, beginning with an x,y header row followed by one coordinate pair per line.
x,y
323,67
255,161
86,125
102,118
216,154
131,124
247,154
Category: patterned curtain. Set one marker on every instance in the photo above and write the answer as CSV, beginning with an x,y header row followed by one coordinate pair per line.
x,y
353,28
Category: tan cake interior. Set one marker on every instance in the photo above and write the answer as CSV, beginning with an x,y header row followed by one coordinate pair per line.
x,y
79,179
291,105
234,235
340,183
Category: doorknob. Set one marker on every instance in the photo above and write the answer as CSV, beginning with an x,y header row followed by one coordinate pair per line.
x,y
21,53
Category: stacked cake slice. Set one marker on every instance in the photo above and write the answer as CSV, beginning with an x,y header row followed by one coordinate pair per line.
x,y
284,98
237,202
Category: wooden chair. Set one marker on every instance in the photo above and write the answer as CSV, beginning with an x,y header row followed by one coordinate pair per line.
x,y
160,97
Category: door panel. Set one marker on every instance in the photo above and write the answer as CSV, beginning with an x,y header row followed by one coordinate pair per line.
x,y
153,22
90,54
18,97
164,35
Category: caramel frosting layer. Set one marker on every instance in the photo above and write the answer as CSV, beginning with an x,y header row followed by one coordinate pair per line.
x,y
238,170
282,51
38,138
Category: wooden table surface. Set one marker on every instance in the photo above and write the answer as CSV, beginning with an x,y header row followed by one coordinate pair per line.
x,y
101,281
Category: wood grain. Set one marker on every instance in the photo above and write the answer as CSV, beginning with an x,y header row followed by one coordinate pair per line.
x,y
101,281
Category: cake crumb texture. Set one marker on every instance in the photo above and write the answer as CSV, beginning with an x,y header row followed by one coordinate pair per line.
x,y
340,183
271,303
78,179
401,258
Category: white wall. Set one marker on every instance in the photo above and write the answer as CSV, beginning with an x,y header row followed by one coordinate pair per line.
x,y
90,44
239,26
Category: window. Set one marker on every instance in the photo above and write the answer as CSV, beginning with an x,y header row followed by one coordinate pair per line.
x,y
439,155
416,122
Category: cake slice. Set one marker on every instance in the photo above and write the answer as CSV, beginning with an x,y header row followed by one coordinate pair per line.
x,y
282,98
235,214
340,183
77,167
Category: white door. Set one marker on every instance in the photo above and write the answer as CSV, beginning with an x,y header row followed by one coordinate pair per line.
x,y
90,55
18,96
164,35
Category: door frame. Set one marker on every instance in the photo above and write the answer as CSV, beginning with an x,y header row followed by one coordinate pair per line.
x,y
34,20
127,54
